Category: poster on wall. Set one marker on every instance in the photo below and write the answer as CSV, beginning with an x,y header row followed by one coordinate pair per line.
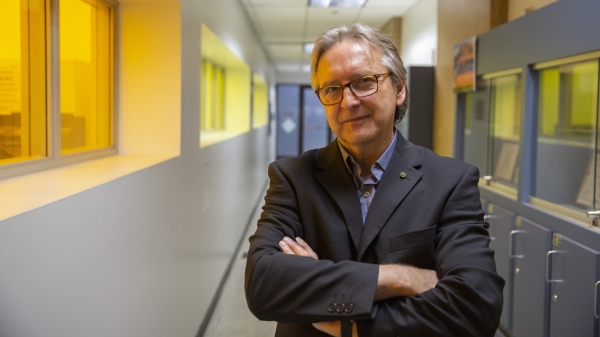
x,y
464,65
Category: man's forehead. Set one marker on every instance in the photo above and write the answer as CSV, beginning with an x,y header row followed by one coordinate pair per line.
x,y
358,57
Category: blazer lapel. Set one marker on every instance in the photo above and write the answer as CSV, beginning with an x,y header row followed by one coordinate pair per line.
x,y
391,190
338,182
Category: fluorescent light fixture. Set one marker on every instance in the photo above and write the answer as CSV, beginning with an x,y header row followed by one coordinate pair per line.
x,y
337,3
308,47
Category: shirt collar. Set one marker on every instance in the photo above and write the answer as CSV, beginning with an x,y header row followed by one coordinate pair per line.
x,y
380,165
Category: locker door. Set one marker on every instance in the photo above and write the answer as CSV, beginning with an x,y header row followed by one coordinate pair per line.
x,y
572,273
501,224
531,302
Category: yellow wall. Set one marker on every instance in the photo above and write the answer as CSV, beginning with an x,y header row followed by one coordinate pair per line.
x,y
150,101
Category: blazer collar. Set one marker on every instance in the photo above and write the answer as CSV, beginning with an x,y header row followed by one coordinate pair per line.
x,y
398,180
337,181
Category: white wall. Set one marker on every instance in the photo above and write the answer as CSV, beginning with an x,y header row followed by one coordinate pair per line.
x,y
142,255
419,34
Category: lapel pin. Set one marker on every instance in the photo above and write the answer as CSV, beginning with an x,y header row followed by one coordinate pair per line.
x,y
402,175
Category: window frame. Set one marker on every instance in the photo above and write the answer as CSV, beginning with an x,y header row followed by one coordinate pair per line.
x,y
54,158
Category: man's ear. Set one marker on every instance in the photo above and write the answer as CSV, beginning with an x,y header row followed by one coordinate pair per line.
x,y
400,92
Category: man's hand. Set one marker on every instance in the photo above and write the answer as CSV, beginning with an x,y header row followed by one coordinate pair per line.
x,y
334,328
298,247
401,280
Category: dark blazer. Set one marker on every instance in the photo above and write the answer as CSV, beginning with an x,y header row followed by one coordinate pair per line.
x,y
426,213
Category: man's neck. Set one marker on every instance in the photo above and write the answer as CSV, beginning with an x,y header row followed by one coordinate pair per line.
x,y
365,155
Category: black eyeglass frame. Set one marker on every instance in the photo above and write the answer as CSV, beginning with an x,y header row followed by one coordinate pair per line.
x,y
343,86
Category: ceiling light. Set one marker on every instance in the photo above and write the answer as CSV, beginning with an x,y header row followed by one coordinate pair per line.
x,y
306,68
337,3
308,47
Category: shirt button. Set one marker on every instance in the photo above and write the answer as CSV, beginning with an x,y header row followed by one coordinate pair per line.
x,y
366,194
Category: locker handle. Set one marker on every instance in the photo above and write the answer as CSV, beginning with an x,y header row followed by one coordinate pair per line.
x,y
596,300
510,245
548,267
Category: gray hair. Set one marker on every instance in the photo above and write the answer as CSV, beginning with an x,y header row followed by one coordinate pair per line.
x,y
372,37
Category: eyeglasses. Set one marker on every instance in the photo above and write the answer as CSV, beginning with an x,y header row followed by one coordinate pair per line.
x,y
360,87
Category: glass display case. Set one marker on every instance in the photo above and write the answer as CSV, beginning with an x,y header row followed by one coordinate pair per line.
x,y
505,131
492,129
566,161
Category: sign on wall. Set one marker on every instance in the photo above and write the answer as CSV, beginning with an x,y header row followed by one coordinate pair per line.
x,y
464,65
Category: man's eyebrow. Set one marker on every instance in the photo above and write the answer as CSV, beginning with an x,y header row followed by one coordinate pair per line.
x,y
356,76
331,83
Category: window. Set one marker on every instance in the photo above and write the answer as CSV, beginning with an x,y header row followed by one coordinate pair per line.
x,y
84,107
225,92
260,102
23,111
212,97
85,75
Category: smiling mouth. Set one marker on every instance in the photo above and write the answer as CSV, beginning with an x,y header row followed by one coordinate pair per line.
x,y
356,119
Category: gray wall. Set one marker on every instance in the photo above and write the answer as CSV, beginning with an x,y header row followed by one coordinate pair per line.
x,y
142,255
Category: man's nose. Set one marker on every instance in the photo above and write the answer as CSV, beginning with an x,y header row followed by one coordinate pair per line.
x,y
349,99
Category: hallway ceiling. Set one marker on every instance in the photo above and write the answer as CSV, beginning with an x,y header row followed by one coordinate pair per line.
x,y
285,25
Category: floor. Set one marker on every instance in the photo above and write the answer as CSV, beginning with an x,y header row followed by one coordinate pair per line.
x,y
231,316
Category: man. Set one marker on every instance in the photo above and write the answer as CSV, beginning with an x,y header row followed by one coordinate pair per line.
x,y
371,235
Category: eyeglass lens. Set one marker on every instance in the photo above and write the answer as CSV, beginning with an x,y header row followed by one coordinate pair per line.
x,y
361,87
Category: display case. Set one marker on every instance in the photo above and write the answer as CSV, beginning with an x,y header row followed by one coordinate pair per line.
x,y
566,160
492,129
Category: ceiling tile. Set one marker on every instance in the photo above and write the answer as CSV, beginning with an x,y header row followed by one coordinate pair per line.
x,y
302,3
287,67
392,4
288,52
376,17
283,33
279,14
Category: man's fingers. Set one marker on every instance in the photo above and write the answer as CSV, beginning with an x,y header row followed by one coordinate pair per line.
x,y
300,248
330,328
306,247
285,248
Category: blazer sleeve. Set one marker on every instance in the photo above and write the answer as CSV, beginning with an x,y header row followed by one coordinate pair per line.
x,y
296,289
467,301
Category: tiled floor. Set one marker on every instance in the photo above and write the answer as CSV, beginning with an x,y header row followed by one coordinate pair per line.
x,y
231,317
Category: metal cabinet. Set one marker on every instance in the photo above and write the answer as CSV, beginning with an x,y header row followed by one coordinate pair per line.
x,y
501,224
572,271
529,243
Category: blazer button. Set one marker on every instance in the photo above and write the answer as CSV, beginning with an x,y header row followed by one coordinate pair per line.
x,y
332,307
340,308
349,308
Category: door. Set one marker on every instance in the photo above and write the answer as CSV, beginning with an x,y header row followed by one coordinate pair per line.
x,y
501,224
301,121
572,272
530,242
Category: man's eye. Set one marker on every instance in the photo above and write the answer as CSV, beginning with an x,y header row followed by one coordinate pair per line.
x,y
366,79
329,90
